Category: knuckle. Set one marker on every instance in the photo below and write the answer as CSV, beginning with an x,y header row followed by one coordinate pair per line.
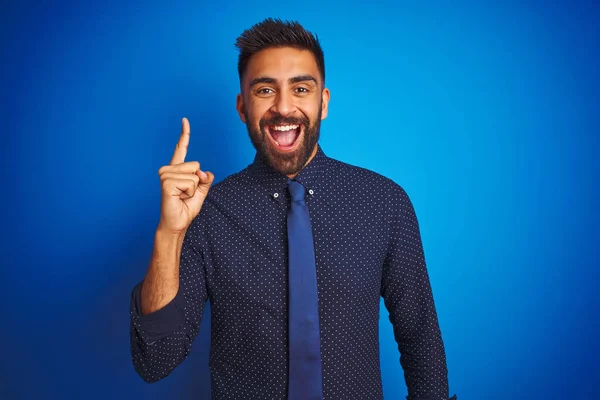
x,y
188,166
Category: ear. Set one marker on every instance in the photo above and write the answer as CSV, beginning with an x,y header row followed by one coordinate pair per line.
x,y
239,105
324,103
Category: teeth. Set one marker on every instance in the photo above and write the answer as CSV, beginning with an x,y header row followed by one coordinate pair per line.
x,y
284,128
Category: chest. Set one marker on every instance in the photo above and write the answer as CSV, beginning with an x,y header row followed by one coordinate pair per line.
x,y
248,250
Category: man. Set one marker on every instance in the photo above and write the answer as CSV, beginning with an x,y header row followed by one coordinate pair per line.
x,y
293,253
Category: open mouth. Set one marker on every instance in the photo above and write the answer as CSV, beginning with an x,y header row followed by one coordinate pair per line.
x,y
285,137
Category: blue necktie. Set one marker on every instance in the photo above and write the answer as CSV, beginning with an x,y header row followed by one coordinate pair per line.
x,y
305,377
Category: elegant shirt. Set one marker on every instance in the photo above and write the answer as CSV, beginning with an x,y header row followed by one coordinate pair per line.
x,y
234,255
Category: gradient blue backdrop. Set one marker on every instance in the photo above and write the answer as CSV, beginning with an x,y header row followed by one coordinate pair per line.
x,y
487,114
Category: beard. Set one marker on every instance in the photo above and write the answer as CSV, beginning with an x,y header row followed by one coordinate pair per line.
x,y
288,163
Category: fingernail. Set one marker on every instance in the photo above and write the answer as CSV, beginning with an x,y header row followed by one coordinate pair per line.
x,y
204,175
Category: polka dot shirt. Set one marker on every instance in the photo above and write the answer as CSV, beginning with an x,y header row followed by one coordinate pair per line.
x,y
367,246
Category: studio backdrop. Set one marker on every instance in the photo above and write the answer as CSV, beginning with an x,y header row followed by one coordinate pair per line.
x,y
487,114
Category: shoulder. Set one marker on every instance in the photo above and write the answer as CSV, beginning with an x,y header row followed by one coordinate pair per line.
x,y
232,183
364,178
370,187
223,195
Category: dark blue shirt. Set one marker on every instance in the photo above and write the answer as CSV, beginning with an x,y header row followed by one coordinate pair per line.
x,y
367,246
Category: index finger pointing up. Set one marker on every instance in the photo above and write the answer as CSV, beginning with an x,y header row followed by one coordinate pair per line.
x,y
182,145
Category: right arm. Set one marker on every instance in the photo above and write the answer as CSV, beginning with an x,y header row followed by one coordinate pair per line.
x,y
161,340
167,306
162,279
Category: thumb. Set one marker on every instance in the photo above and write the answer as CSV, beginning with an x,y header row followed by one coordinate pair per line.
x,y
205,180
195,203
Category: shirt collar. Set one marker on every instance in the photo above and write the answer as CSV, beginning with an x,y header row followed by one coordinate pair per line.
x,y
276,182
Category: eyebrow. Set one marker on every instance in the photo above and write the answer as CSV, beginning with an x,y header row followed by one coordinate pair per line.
x,y
295,79
302,78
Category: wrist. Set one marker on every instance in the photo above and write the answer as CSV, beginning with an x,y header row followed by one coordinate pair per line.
x,y
168,234
165,240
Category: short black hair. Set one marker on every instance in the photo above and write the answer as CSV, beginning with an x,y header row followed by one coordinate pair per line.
x,y
277,33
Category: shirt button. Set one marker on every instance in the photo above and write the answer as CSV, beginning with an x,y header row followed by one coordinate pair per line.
x,y
276,195
311,192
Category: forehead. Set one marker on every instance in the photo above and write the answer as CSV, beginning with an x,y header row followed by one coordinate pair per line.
x,y
281,63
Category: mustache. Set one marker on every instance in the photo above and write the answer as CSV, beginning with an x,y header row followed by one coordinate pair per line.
x,y
280,120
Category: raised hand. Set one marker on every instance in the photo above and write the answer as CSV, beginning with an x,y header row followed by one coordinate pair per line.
x,y
184,187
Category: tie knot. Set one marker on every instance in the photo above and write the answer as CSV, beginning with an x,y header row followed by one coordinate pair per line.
x,y
296,190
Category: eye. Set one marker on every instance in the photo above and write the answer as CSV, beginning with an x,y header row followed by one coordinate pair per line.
x,y
301,90
264,91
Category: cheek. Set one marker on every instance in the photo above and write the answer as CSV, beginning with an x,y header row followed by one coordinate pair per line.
x,y
255,111
312,113
310,107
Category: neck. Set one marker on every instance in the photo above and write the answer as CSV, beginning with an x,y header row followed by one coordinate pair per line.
x,y
314,152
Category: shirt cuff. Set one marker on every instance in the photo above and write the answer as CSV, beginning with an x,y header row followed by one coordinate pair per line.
x,y
158,324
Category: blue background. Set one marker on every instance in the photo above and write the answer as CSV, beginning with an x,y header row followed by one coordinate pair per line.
x,y
487,114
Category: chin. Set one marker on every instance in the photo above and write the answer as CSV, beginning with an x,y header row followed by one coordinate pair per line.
x,y
289,163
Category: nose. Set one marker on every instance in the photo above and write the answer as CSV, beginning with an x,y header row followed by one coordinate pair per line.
x,y
284,103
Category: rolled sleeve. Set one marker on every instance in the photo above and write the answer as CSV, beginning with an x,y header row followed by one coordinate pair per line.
x,y
158,324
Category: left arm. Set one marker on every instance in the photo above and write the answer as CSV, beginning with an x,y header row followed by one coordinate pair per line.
x,y
407,294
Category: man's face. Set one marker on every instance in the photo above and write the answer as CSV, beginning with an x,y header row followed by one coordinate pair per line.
x,y
282,104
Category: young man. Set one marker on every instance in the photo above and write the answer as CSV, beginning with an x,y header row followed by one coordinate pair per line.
x,y
293,253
